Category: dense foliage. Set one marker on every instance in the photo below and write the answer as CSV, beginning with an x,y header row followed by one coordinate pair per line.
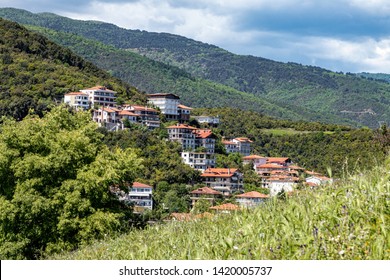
x,y
55,178
314,146
312,92
349,220
36,73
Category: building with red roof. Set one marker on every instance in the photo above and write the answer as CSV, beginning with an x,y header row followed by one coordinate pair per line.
x,y
251,199
225,180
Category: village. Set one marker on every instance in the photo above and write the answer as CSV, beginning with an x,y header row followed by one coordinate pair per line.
x,y
277,174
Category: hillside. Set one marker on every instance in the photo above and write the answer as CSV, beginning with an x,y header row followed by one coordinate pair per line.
x,y
345,221
36,73
311,92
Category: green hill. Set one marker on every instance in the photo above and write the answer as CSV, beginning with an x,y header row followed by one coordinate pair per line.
x,y
312,93
36,73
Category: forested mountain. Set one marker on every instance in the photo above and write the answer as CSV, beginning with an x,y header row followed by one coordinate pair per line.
x,y
36,72
312,92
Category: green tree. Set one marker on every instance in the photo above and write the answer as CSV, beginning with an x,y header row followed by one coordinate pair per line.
x,y
55,178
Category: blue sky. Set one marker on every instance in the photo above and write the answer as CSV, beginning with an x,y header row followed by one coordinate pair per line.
x,y
340,35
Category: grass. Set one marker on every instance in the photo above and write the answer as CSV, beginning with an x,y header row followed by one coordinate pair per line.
x,y
347,220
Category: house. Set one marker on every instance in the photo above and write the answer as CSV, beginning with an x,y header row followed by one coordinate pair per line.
x,y
205,139
255,160
184,113
210,120
225,208
184,134
100,96
276,184
283,161
251,199
78,100
225,180
318,180
128,115
206,194
108,117
198,160
230,146
146,116
240,145
141,195
168,104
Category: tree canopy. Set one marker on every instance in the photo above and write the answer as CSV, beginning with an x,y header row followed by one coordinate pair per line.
x,y
55,179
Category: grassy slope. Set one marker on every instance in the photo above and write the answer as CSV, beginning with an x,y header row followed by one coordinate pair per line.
x,y
348,220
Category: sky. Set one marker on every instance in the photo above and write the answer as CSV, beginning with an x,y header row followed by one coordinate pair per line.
x,y
339,35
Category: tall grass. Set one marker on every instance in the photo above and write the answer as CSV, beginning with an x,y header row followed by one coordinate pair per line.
x,y
347,220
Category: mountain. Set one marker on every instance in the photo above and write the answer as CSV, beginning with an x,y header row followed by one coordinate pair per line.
x,y
37,72
375,76
311,93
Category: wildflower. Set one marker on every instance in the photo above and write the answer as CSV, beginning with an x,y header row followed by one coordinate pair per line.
x,y
341,252
235,248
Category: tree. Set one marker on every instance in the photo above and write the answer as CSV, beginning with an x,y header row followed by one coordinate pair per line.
x,y
55,179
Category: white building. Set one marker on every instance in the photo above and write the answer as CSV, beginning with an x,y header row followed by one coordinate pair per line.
x,y
78,100
207,119
255,160
168,104
184,134
100,96
251,199
225,180
141,195
199,161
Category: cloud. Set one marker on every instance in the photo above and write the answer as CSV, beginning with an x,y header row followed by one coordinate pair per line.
x,y
341,35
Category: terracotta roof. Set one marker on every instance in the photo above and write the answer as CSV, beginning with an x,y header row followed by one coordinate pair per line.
x,y
76,93
278,159
206,190
219,172
226,206
253,194
127,113
204,133
182,126
243,139
226,142
270,165
252,157
312,172
296,167
140,185
100,88
142,108
184,107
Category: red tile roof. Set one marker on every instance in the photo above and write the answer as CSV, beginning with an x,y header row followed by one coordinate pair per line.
x,y
206,190
182,126
76,93
278,159
251,157
140,185
127,113
243,139
270,166
226,206
226,142
142,108
100,88
204,133
184,107
219,172
253,194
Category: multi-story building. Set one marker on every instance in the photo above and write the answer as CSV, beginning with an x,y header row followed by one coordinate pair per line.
x,y
255,160
213,121
230,146
100,96
225,180
168,104
141,195
184,134
184,113
199,160
146,116
251,199
108,117
77,100
206,194
205,139
244,145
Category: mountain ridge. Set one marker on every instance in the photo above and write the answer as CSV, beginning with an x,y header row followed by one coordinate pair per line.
x,y
315,93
